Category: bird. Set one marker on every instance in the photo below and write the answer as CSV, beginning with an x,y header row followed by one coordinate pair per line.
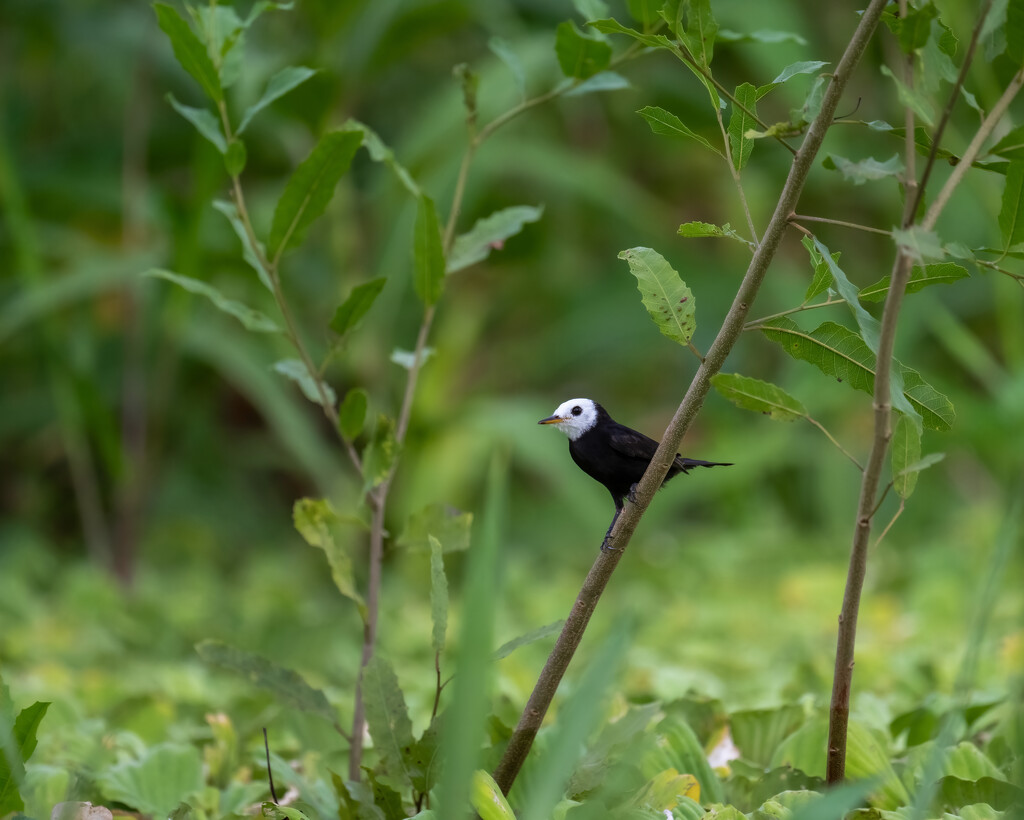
x,y
611,453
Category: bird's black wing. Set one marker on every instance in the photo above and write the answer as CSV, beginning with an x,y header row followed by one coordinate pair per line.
x,y
630,443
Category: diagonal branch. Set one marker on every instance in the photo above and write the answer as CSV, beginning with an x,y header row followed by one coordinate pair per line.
x,y
601,572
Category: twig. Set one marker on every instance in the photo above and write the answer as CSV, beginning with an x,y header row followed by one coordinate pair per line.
x,y
840,223
831,438
601,572
270,774
897,514
755,324
734,171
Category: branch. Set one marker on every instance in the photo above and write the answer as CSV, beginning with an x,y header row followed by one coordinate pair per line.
x,y
601,572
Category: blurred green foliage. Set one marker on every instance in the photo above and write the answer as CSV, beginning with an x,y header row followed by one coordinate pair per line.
x,y
144,436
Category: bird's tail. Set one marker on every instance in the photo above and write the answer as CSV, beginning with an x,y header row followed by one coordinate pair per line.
x,y
685,464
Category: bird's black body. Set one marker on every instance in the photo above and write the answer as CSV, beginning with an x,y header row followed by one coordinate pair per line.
x,y
615,455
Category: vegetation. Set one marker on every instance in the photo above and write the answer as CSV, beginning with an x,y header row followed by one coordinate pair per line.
x,y
305,275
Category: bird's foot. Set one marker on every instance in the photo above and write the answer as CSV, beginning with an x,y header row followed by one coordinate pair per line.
x,y
631,495
605,547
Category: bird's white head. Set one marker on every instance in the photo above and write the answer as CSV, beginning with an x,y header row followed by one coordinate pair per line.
x,y
574,417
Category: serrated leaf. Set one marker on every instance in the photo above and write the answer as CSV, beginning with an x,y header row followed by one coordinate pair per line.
x,y
280,84
602,81
861,171
317,522
759,396
1011,213
503,51
489,233
311,187
842,354
428,252
251,253
356,306
667,298
251,319
906,450
438,596
449,525
741,122
189,51
920,244
487,798
579,56
352,413
701,28
669,125
610,26
942,273
309,383
911,98
156,783
533,636
380,453
379,152
204,121
387,715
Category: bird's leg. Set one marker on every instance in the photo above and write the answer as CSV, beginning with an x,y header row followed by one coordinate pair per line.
x,y
608,535
632,493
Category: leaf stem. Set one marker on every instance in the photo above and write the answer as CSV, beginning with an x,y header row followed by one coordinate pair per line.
x,y
734,171
840,223
756,324
831,438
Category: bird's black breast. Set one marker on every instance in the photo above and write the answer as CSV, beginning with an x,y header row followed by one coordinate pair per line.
x,y
613,455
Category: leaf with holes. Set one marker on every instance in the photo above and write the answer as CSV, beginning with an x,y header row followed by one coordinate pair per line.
x,y
667,298
759,396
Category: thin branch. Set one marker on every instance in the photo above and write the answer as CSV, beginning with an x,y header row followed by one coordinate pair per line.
x,y
840,223
601,572
734,171
831,438
897,514
755,324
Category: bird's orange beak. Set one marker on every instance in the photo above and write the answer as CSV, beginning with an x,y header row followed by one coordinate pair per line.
x,y
551,420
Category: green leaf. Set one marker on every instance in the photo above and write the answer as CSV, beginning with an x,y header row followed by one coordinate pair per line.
x,y
822,279
759,396
1011,214
669,125
385,798
914,29
535,635
235,158
280,84
644,12
251,253
842,354
311,188
16,746
438,596
1015,32
667,298
795,70
251,319
1011,146
156,783
487,799
428,252
380,453
580,56
741,122
810,108
769,36
942,273
352,413
912,98
317,522
676,747
490,232
989,791
310,384
918,243
189,51
695,230
870,329
204,121
860,172
602,81
610,26
701,28
503,51
379,152
387,715
906,450
407,358
450,526
356,306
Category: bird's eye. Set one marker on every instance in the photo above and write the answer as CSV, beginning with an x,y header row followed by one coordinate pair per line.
x,y
577,410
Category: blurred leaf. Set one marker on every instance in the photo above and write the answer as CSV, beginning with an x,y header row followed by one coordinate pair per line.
x,y
906,450
315,521
503,51
602,81
17,743
286,685
235,158
296,370
280,84
465,717
580,56
387,715
842,354
277,812
1011,213
667,298
190,53
538,634
407,358
914,29
912,98
1011,146
203,119
677,747
251,253
669,125
759,396
385,798
380,453
918,243
997,793
757,733
644,12
812,103
488,800
835,804
423,759
701,28
438,596
667,789
705,229
610,26
759,36
450,526
379,152
356,306
740,122
490,232
860,172
1015,32
942,273
870,330
428,252
790,71
311,187
156,783
352,413
251,319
